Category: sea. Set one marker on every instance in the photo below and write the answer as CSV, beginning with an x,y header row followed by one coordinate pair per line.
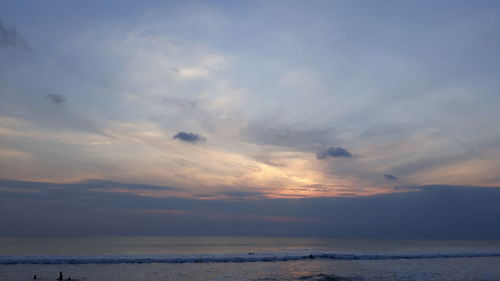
x,y
155,258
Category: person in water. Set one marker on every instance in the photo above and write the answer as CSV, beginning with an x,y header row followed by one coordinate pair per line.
x,y
60,276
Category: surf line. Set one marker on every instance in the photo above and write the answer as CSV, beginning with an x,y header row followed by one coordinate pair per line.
x,y
7,260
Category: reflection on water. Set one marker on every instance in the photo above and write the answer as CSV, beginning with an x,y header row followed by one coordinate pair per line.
x,y
472,269
150,245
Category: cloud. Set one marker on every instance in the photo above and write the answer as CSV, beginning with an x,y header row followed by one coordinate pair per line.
x,y
179,102
57,99
437,211
93,183
189,137
390,177
303,139
234,195
149,59
90,184
9,37
240,194
333,152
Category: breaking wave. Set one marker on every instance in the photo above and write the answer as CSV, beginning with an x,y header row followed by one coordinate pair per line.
x,y
248,257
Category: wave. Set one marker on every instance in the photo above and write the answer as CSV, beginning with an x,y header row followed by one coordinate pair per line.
x,y
239,258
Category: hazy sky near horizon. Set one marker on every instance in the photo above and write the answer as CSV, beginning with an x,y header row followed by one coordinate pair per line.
x,y
102,208
274,98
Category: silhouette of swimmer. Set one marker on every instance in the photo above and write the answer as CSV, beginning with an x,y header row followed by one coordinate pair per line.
x,y
34,276
60,276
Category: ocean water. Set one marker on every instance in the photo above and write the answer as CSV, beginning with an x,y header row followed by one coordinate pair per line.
x,y
136,258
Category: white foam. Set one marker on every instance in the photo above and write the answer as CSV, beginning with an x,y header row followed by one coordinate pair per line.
x,y
248,257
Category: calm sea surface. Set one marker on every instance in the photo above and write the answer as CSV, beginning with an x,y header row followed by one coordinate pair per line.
x,y
136,258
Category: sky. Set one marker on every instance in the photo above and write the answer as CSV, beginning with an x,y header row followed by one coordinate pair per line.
x,y
329,118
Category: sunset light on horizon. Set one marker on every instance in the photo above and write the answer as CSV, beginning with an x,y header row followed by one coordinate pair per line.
x,y
180,109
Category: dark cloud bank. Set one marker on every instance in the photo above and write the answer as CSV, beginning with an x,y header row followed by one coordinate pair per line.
x,y
92,207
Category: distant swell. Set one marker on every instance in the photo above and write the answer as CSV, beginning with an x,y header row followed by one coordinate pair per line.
x,y
199,258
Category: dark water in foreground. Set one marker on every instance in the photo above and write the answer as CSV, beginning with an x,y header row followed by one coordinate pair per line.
x,y
246,258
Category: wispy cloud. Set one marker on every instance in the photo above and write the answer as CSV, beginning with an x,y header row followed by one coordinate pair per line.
x,y
284,109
